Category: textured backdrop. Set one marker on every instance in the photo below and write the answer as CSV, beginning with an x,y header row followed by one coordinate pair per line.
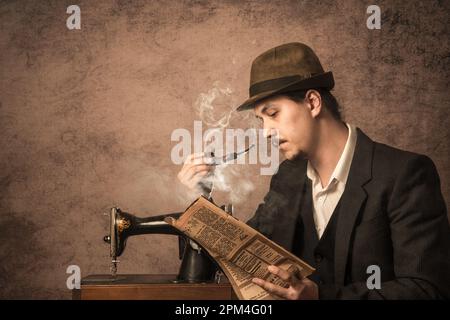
x,y
86,115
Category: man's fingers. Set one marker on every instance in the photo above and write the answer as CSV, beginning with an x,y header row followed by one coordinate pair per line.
x,y
271,288
193,171
198,162
195,167
193,182
197,158
194,156
190,170
283,274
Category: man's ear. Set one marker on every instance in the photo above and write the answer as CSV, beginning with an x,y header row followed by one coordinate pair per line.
x,y
314,102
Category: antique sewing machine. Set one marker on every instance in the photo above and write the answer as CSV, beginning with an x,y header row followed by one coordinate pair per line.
x,y
199,276
196,265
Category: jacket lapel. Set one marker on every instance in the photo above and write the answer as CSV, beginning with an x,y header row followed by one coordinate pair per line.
x,y
352,199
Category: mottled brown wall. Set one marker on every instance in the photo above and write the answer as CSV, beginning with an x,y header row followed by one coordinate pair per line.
x,y
86,115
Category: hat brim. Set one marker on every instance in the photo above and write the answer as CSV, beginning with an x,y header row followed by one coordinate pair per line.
x,y
323,80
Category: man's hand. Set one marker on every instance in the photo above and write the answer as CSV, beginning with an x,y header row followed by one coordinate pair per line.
x,y
195,168
299,289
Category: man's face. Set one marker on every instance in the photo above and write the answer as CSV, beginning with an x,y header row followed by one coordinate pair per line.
x,y
294,123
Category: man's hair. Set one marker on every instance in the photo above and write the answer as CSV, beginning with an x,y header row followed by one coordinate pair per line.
x,y
328,100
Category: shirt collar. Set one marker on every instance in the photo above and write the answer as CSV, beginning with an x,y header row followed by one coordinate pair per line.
x,y
342,168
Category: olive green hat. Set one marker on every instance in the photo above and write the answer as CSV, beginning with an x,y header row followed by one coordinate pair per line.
x,y
289,67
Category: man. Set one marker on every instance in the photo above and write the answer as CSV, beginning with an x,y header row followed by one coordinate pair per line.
x,y
343,203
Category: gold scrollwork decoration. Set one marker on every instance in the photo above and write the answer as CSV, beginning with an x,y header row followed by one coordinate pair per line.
x,y
123,224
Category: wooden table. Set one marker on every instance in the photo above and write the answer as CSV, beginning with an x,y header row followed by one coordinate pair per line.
x,y
150,287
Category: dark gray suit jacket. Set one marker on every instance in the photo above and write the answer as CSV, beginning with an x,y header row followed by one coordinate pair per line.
x,y
392,215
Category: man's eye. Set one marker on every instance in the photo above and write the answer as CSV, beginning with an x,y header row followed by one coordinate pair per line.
x,y
273,114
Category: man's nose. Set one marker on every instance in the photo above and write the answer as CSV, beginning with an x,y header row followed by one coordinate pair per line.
x,y
268,132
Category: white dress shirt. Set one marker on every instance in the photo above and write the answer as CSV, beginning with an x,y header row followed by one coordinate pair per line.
x,y
325,199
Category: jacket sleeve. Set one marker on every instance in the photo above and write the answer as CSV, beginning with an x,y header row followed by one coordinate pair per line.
x,y
420,238
264,217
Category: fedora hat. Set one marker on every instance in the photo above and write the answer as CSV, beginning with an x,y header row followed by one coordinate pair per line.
x,y
289,67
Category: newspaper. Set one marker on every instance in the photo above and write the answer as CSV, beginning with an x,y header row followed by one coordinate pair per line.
x,y
242,252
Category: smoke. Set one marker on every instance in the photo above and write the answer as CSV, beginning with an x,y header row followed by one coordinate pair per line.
x,y
216,108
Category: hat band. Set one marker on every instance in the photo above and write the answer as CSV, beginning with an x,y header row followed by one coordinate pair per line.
x,y
273,84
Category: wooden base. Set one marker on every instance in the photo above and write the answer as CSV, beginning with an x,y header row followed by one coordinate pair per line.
x,y
150,287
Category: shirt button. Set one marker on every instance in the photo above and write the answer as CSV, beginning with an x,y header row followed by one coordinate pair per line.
x,y
318,257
